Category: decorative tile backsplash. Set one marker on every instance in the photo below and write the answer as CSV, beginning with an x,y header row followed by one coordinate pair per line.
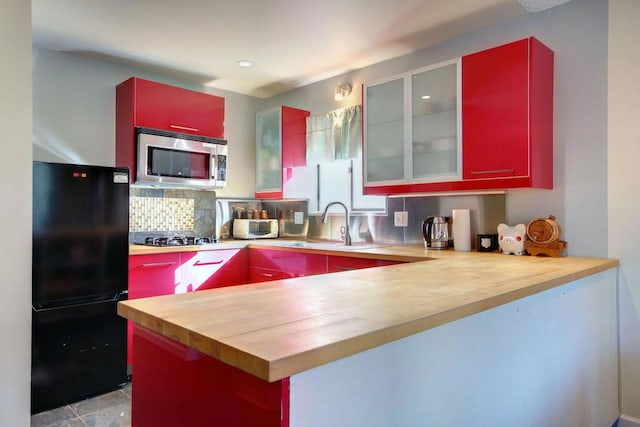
x,y
161,214
156,212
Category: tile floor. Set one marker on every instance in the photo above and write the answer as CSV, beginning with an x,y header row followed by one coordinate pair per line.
x,y
108,410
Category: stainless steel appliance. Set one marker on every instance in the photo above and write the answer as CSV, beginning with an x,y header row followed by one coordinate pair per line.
x,y
255,228
180,159
80,255
435,231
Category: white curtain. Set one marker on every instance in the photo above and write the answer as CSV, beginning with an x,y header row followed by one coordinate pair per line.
x,y
335,135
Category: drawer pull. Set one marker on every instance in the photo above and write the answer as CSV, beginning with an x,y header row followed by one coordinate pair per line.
x,y
198,263
491,171
267,274
343,268
157,265
184,128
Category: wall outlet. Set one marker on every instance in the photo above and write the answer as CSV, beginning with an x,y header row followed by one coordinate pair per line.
x,y
298,217
401,219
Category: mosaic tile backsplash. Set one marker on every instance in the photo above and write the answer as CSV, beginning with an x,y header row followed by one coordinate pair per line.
x,y
160,214
155,212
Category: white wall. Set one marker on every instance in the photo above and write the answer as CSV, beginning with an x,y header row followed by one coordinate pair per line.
x,y
546,360
74,114
15,216
624,185
577,33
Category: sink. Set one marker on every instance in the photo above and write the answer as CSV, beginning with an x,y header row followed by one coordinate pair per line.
x,y
332,245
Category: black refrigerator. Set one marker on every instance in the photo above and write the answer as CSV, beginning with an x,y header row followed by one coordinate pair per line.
x,y
80,255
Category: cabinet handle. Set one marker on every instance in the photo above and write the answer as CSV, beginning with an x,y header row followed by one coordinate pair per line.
x,y
157,265
198,263
343,268
491,171
318,185
184,128
267,274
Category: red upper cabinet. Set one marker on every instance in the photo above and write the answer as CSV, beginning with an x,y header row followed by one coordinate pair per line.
x,y
507,110
280,145
506,122
155,105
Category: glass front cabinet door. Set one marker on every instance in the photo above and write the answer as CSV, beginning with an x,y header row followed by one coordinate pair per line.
x,y
269,151
385,131
412,127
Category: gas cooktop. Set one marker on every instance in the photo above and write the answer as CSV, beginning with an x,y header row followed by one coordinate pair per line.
x,y
175,241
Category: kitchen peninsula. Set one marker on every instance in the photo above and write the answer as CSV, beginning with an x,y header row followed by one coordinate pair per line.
x,y
461,338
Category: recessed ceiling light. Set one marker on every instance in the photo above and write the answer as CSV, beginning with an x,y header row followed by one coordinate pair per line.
x,y
244,63
426,96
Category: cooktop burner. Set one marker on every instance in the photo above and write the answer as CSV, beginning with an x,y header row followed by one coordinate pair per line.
x,y
176,241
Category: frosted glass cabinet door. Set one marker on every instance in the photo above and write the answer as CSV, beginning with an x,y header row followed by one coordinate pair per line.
x,y
385,131
435,122
268,151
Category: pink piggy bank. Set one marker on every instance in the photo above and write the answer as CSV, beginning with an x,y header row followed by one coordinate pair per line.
x,y
511,239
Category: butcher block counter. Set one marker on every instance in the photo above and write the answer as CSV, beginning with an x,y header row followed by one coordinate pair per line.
x,y
283,328
276,329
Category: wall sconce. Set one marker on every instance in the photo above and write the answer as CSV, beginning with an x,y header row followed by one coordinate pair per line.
x,y
342,91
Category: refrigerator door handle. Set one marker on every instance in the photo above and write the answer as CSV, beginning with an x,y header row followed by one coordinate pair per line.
x,y
117,297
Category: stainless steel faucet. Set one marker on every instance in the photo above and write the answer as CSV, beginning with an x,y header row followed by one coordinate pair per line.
x,y
347,236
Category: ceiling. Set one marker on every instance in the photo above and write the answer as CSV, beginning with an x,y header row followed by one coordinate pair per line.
x,y
291,43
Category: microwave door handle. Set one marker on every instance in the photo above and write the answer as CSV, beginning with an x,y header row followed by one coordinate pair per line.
x,y
214,167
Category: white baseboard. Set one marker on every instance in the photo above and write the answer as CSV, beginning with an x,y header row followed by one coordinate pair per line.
x,y
628,421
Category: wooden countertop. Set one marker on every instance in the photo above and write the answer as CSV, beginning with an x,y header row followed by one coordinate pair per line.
x,y
277,329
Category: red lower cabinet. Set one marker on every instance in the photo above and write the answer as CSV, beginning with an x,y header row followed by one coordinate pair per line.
x,y
215,269
257,275
153,275
272,264
175,385
176,273
150,276
342,263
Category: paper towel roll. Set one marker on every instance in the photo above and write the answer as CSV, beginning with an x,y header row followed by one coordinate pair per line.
x,y
461,230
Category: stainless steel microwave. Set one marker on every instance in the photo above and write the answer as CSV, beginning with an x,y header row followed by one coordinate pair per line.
x,y
180,159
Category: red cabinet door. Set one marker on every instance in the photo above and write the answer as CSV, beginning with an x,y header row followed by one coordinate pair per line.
x,y
294,137
151,275
340,263
507,112
270,264
215,269
495,112
161,106
269,259
302,264
258,274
